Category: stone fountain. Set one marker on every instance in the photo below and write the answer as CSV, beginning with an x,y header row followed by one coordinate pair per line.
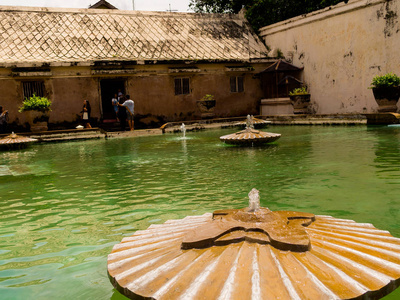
x,y
256,253
250,136
14,141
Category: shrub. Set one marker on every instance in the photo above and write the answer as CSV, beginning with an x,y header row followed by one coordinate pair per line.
x,y
207,97
388,80
299,91
35,103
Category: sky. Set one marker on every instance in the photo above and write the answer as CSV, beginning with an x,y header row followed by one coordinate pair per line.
x,y
149,5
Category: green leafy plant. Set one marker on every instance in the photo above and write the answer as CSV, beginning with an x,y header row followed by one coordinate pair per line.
x,y
35,103
299,91
207,97
387,80
279,53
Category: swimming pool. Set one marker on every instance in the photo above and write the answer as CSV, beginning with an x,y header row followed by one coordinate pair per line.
x,y
65,205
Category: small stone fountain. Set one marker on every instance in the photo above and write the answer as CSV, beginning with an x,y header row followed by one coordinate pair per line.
x,y
14,141
250,136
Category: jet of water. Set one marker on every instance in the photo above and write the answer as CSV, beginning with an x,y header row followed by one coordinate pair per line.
x,y
249,122
254,200
183,129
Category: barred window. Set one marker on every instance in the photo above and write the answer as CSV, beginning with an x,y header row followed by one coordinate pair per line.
x,y
237,84
33,87
182,86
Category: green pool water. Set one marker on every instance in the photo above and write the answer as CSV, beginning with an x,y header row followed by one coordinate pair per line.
x,y
64,206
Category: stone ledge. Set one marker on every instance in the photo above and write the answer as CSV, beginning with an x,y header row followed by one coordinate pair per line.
x,y
275,101
345,119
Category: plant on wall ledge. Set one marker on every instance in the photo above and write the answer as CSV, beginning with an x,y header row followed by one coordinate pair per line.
x,y
300,99
206,106
207,97
36,110
386,89
35,103
299,91
388,80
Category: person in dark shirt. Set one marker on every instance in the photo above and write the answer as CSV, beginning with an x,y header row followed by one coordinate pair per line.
x,y
86,113
3,119
122,114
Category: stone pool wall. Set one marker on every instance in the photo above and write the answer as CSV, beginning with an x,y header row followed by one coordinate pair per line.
x,y
341,48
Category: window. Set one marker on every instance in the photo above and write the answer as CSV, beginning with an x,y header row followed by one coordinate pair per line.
x,y
237,84
182,86
33,87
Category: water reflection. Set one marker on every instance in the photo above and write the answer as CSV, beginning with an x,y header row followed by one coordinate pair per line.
x,y
65,205
387,151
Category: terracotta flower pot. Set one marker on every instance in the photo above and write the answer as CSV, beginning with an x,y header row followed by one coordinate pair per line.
x,y
37,120
206,108
300,103
387,98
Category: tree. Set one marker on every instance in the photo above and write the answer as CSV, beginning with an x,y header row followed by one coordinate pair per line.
x,y
262,12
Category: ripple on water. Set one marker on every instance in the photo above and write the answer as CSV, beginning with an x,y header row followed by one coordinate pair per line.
x,y
58,223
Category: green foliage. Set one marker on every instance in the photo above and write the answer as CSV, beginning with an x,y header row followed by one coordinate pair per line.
x,y
261,13
387,80
299,91
35,103
279,53
207,97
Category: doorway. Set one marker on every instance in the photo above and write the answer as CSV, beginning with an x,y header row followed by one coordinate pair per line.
x,y
109,87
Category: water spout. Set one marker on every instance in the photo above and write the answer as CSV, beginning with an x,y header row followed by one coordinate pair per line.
x,y
254,200
183,129
249,122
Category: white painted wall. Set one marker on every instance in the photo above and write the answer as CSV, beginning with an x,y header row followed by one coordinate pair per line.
x,y
342,48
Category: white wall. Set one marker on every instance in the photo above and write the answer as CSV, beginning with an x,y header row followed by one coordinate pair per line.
x,y
342,48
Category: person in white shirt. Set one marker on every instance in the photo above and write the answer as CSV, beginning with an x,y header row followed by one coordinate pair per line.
x,y
129,105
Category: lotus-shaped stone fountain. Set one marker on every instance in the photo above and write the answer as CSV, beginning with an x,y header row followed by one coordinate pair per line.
x,y
256,253
250,136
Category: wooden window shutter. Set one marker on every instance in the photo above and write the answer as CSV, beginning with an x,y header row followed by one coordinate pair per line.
x,y
233,84
185,86
178,86
240,84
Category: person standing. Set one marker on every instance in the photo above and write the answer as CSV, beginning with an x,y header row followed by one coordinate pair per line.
x,y
3,119
114,102
122,113
86,113
129,105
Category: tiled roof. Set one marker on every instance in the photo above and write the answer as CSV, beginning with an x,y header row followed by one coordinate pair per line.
x,y
37,35
103,4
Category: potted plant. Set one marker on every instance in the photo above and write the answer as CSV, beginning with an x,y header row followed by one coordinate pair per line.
x,y
36,111
300,99
386,89
206,105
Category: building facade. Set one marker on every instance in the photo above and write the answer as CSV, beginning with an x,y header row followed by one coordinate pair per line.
x,y
165,61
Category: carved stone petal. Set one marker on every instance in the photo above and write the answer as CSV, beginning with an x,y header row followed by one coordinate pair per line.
x,y
240,236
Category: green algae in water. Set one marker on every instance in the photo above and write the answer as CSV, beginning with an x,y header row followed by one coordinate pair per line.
x,y
65,205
